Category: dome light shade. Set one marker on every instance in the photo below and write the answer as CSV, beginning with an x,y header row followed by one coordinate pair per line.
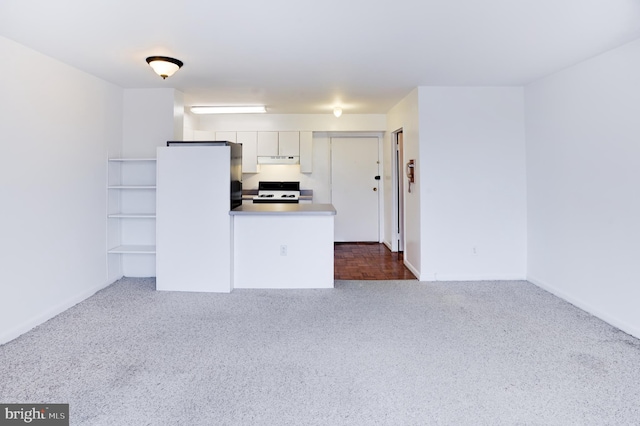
x,y
164,66
337,111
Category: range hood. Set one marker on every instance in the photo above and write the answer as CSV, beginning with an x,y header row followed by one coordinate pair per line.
x,y
278,159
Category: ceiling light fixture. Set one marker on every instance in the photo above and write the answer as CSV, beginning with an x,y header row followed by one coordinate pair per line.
x,y
229,109
164,66
337,111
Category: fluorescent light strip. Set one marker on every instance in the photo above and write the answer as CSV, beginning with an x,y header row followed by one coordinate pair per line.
x,y
228,109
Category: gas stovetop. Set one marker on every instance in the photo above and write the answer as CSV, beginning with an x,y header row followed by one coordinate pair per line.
x,y
278,192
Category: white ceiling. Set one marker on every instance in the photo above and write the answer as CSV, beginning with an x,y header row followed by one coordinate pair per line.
x,y
304,56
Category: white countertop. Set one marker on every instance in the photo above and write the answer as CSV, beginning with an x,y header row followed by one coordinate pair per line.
x,y
284,209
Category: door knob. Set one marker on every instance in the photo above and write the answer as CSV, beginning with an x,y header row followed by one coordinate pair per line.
x,y
375,189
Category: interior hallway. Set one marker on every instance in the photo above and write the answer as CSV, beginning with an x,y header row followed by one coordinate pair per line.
x,y
368,261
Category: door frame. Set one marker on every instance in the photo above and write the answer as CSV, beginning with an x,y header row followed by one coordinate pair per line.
x,y
397,189
380,137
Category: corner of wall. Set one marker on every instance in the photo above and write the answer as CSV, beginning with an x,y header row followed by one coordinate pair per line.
x,y
178,116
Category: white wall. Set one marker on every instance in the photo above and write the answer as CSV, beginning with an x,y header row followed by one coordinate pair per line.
x,y
151,118
59,126
583,164
472,183
405,116
293,122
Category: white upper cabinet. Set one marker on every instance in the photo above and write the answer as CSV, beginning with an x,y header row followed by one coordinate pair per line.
x,y
306,152
278,143
249,141
210,135
267,143
289,144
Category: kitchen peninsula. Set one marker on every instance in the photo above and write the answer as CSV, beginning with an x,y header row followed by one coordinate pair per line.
x,y
206,241
283,245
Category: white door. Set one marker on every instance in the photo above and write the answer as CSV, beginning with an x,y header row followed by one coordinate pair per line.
x,y
354,188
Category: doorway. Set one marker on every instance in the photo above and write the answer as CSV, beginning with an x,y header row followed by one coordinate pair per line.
x,y
368,261
355,184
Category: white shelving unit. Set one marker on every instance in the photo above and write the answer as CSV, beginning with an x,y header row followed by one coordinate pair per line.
x,y
131,204
133,249
131,186
132,215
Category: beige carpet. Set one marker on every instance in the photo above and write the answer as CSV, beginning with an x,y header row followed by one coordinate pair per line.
x,y
372,353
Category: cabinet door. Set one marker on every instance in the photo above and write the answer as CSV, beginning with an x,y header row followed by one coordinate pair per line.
x,y
226,136
249,141
306,152
267,143
289,143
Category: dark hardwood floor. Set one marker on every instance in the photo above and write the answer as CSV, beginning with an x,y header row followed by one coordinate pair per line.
x,y
368,261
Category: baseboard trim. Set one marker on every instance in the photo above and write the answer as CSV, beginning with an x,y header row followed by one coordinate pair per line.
x,y
478,277
413,270
45,316
587,307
